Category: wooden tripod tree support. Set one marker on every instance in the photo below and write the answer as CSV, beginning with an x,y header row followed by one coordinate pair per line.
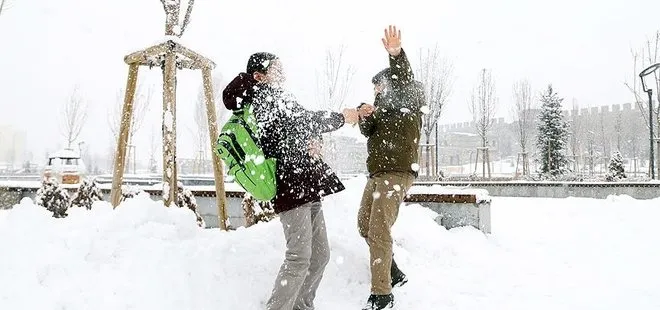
x,y
169,56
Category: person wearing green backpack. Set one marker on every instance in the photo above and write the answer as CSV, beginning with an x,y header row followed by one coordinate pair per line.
x,y
290,135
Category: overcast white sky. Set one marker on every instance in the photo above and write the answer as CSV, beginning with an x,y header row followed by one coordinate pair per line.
x,y
48,47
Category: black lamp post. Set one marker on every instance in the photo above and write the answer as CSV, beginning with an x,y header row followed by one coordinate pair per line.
x,y
649,91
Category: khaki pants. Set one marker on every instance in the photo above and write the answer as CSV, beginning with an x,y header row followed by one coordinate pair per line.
x,y
379,209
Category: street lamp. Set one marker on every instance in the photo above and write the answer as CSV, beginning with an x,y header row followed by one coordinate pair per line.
x,y
649,91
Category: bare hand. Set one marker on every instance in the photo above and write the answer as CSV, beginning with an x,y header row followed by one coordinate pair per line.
x,y
392,41
366,110
351,116
315,149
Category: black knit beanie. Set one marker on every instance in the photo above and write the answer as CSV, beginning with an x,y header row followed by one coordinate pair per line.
x,y
259,62
381,76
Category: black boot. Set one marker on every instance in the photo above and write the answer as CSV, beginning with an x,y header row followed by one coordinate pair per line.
x,y
398,277
378,302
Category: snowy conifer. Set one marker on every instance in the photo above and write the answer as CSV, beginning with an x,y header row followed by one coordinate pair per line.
x,y
552,136
615,167
256,211
53,197
87,194
186,199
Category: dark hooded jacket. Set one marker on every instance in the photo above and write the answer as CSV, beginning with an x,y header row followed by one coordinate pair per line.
x,y
393,130
285,132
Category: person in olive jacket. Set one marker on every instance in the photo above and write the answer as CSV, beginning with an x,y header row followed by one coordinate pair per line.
x,y
392,126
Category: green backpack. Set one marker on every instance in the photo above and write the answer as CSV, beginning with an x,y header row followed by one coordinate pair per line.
x,y
238,147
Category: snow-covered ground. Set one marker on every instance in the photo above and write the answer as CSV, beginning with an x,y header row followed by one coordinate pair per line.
x,y
543,254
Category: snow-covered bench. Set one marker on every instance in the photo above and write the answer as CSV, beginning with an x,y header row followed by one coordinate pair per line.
x,y
456,207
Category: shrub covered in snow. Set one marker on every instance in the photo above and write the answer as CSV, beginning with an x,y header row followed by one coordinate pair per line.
x,y
87,194
53,197
128,192
615,168
186,199
256,211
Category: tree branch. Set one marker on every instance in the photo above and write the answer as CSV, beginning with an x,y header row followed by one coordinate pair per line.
x,y
74,117
186,19
436,74
334,82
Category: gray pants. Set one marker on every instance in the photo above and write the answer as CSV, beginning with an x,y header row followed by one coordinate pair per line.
x,y
307,254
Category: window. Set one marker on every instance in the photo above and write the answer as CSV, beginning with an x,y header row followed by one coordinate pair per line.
x,y
70,161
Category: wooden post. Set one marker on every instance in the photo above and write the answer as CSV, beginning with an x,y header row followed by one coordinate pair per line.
x,y
169,95
124,128
218,170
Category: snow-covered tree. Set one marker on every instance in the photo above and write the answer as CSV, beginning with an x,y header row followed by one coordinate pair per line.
x,y
615,167
552,138
87,194
53,197
256,211
186,199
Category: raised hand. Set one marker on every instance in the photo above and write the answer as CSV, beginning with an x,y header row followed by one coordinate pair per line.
x,y
392,40
351,116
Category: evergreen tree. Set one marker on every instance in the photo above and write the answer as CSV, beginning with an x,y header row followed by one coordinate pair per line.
x,y
87,194
53,197
552,136
616,171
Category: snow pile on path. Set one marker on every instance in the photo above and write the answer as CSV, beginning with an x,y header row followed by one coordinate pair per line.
x,y
543,254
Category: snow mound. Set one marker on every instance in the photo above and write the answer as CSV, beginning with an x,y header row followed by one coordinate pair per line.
x,y
143,255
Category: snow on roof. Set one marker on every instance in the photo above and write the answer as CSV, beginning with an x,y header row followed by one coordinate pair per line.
x,y
65,153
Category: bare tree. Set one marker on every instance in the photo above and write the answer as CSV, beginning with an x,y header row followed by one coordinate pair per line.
x,y
140,107
333,85
334,81
4,6
436,75
577,135
522,110
483,102
74,116
643,58
153,148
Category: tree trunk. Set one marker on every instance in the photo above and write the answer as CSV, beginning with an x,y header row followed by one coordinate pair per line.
x,y
171,16
428,153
